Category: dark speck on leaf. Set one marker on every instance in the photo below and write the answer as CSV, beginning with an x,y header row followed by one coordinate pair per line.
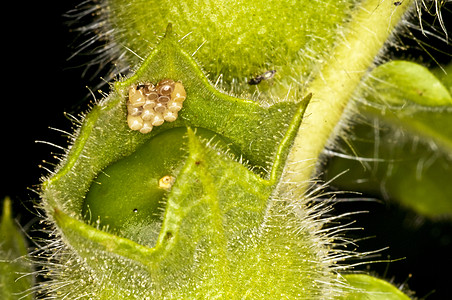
x,y
265,76
168,235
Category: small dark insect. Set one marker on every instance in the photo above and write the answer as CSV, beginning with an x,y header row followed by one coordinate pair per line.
x,y
265,76
397,3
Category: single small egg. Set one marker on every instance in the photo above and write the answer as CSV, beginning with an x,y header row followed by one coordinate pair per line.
x,y
136,97
174,106
149,104
158,120
178,93
134,122
165,87
166,182
134,111
170,116
160,107
163,99
147,127
148,114
153,96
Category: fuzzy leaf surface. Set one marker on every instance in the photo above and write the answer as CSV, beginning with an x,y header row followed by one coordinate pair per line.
x,y
212,242
220,226
104,136
237,40
227,230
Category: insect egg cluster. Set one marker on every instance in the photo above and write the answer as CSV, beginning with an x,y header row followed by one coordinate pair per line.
x,y
150,105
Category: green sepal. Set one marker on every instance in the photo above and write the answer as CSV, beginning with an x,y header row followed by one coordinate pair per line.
x,y
222,234
128,197
253,128
365,287
218,213
15,271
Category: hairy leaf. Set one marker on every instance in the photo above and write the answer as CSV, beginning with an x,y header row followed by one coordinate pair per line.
x,y
403,147
212,242
104,136
234,221
236,40
220,222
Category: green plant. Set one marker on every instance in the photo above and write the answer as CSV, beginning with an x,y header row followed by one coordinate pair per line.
x,y
241,217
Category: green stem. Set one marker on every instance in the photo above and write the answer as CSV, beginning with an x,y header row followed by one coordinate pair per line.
x,y
370,27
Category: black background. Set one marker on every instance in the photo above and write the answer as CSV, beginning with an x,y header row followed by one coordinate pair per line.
x,y
39,84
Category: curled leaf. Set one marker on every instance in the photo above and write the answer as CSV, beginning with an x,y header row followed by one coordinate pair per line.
x,y
403,149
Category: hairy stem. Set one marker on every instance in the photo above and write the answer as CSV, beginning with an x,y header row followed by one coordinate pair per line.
x,y
371,25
